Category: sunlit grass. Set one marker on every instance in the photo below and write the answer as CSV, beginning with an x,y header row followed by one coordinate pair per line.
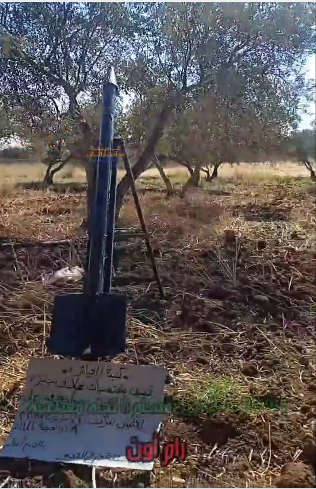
x,y
208,396
18,172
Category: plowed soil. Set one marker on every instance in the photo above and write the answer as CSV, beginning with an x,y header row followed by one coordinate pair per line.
x,y
237,322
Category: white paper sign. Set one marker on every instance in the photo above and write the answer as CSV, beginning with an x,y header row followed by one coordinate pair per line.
x,y
86,412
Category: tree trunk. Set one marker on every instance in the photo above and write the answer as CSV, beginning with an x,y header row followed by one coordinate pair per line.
x,y
143,161
210,178
165,178
90,168
309,167
60,166
187,166
48,179
193,181
206,171
50,173
177,159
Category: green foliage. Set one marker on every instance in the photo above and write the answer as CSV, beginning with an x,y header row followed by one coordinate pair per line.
x,y
238,67
5,130
67,50
16,153
218,395
193,45
302,144
241,60
9,123
53,155
217,128
11,46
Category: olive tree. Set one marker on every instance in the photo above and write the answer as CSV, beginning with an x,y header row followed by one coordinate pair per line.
x,y
301,146
187,50
181,50
58,53
221,128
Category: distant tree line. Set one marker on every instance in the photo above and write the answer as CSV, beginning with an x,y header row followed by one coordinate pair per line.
x,y
209,82
15,153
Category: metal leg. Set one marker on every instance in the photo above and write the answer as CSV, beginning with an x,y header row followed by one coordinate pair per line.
x,y
142,221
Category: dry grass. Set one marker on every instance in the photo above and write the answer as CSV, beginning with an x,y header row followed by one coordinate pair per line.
x,y
230,309
12,173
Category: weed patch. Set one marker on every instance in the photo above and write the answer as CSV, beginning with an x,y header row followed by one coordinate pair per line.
x,y
213,396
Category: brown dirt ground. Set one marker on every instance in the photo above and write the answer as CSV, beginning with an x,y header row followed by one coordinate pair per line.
x,y
239,305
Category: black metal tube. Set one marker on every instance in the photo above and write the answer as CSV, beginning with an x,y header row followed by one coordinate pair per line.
x,y
98,228
108,263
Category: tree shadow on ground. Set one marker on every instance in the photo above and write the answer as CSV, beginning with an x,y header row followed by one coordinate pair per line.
x,y
265,213
218,192
150,310
60,188
35,259
152,190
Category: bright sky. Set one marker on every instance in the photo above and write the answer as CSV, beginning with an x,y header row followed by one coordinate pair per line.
x,y
311,74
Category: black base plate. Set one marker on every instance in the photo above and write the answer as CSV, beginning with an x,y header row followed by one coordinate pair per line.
x,y
80,322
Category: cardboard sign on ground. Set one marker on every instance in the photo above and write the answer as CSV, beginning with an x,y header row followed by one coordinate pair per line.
x,y
86,412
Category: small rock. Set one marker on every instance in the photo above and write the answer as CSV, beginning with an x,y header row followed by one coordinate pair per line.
x,y
250,369
143,361
311,414
261,298
308,454
311,387
303,360
241,467
215,430
169,378
66,478
229,237
261,245
295,416
313,426
218,292
305,408
227,347
295,474
202,360
289,334
178,480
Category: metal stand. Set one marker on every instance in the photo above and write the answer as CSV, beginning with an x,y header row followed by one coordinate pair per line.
x,y
95,320
140,215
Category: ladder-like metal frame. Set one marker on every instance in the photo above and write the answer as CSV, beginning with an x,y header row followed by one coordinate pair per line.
x,y
121,234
